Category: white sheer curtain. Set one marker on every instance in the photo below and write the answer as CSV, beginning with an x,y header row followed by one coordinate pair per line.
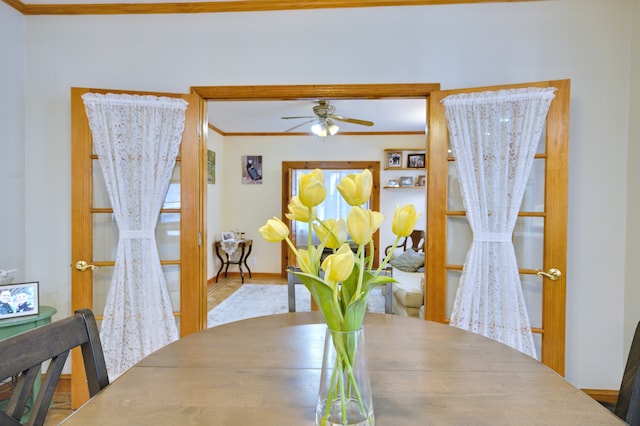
x,y
137,139
494,137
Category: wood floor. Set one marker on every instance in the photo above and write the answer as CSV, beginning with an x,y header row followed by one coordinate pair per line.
x,y
216,294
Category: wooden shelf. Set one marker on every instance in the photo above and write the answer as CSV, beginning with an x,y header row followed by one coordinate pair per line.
x,y
404,149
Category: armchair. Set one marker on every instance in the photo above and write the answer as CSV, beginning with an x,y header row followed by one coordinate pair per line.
x,y
417,238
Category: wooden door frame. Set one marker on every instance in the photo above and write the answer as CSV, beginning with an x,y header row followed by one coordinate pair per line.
x,y
327,91
287,166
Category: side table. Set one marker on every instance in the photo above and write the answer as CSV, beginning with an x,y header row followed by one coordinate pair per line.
x,y
244,248
12,326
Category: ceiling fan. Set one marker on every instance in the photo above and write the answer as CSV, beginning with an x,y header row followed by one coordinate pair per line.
x,y
324,120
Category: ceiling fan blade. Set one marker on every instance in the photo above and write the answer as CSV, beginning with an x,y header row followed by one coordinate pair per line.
x,y
351,120
302,116
300,125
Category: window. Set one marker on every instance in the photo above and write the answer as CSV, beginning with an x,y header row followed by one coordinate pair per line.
x,y
334,206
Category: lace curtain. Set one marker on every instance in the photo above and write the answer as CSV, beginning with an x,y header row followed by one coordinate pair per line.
x,y
137,139
494,137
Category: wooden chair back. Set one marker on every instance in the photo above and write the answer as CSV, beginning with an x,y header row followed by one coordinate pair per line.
x,y
628,403
22,357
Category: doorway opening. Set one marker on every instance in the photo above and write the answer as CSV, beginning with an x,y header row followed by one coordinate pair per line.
x,y
315,92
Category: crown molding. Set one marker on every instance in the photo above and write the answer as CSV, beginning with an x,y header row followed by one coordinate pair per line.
x,y
17,5
222,6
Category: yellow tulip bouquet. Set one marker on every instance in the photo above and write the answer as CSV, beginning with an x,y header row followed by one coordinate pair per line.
x,y
341,283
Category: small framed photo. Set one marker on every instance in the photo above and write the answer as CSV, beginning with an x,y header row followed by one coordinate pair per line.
x,y
415,161
17,300
393,183
406,181
227,236
395,159
421,180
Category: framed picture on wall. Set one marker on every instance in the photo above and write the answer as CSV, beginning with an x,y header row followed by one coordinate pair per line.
x,y
211,167
17,300
252,169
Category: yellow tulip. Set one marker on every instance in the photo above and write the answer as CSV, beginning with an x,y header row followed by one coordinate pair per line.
x,y
311,190
338,266
363,223
356,188
334,232
300,212
304,261
404,220
274,230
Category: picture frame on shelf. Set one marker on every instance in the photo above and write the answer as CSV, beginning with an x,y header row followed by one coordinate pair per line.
x,y
415,161
228,236
421,180
19,299
406,181
395,159
393,183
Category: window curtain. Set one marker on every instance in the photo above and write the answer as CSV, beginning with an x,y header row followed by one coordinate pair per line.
x,y
137,139
494,137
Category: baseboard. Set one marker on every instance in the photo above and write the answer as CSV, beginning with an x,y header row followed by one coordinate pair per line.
x,y
254,275
603,395
64,383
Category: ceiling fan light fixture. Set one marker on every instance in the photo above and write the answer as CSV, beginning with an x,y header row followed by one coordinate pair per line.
x,y
332,127
319,129
324,128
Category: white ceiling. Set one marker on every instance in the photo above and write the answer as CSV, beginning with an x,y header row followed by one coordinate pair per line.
x,y
388,115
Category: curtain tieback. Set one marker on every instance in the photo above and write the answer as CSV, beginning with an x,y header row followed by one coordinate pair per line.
x,y
137,234
492,237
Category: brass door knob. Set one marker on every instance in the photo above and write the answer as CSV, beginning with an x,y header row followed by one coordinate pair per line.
x,y
81,265
553,274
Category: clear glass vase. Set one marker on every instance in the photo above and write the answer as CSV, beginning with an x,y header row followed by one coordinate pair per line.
x,y
344,397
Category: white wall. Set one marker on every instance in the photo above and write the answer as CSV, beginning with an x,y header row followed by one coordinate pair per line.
x,y
632,286
588,41
12,81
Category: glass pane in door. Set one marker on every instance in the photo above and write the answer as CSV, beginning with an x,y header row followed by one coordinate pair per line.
x,y
106,234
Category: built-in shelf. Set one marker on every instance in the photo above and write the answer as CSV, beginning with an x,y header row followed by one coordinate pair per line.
x,y
410,165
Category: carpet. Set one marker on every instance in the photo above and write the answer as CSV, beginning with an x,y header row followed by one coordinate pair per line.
x,y
255,300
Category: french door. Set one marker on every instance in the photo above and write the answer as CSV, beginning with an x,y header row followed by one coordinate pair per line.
x,y
179,233
540,236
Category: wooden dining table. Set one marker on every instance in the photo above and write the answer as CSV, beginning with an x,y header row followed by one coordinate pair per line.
x,y
265,371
